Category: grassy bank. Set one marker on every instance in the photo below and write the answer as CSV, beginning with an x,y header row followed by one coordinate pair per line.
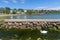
x,y
9,14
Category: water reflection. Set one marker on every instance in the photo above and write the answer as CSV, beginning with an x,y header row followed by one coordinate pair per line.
x,y
34,16
11,17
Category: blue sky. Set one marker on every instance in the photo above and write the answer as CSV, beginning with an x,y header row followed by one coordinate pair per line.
x,y
31,4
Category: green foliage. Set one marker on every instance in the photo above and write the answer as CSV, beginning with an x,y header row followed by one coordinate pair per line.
x,y
6,10
22,10
29,11
13,12
28,34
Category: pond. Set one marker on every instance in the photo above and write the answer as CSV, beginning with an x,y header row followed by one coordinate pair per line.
x,y
34,16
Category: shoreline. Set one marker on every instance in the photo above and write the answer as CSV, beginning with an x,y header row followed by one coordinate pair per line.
x,y
9,15
53,20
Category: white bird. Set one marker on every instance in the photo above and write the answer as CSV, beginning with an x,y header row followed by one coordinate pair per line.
x,y
43,31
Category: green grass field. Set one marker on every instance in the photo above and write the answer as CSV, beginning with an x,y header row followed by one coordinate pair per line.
x,y
28,34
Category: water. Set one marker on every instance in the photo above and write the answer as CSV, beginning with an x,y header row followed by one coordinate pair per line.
x,y
35,16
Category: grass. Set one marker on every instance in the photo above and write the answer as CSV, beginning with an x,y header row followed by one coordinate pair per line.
x,y
9,14
28,34
1,21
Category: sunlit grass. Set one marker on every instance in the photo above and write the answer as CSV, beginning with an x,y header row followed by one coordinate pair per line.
x,y
2,21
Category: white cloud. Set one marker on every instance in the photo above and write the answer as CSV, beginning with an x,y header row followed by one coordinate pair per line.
x,y
22,1
48,8
5,1
14,1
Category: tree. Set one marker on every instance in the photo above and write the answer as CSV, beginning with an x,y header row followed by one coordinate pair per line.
x,y
7,10
31,12
22,10
1,10
14,11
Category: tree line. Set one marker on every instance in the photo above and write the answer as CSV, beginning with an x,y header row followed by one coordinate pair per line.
x,y
7,10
